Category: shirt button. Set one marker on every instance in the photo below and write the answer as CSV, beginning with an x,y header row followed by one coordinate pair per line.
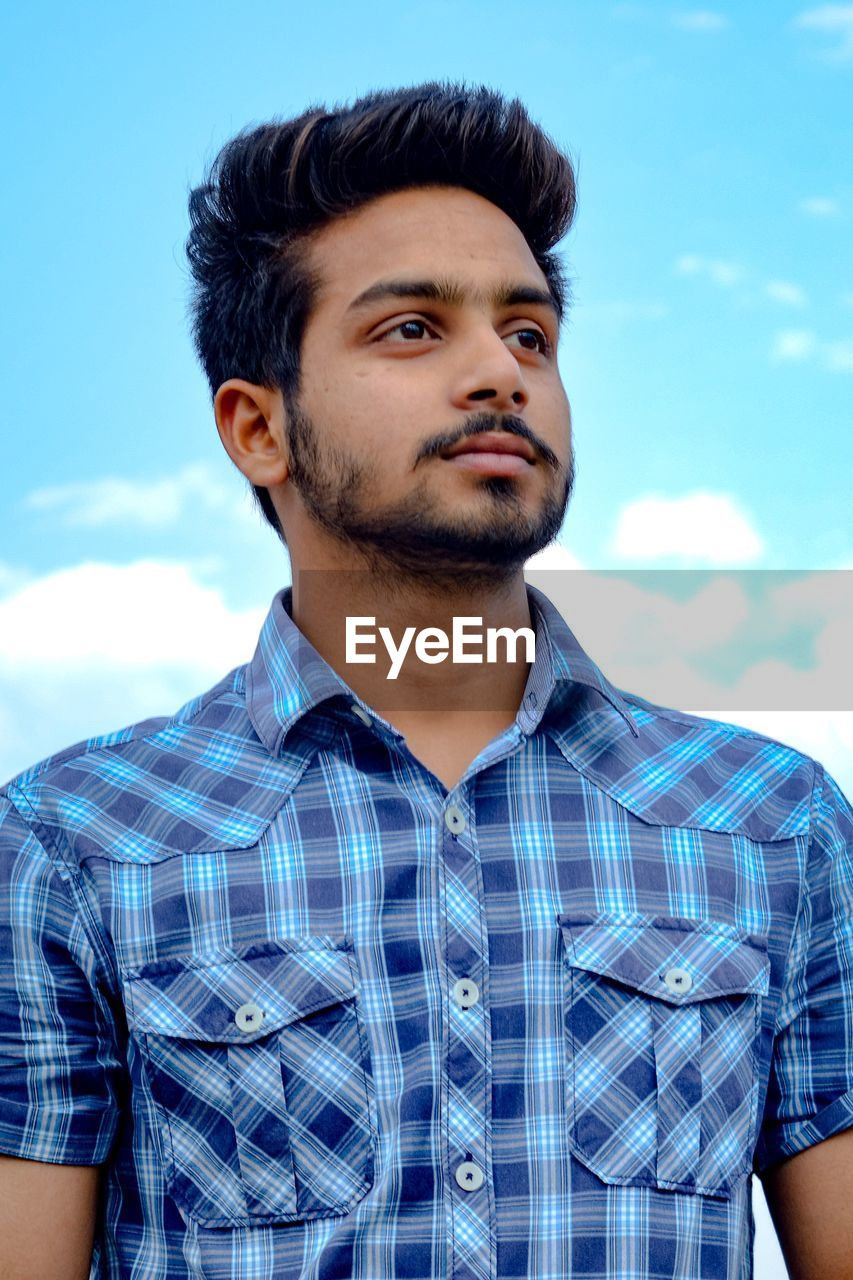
x,y
362,714
454,818
679,981
249,1016
469,1175
466,992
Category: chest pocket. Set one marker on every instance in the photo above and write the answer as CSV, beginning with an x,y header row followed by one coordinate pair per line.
x,y
259,1070
662,1021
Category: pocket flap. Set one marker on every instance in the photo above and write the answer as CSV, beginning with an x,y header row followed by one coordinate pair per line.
x,y
211,998
654,953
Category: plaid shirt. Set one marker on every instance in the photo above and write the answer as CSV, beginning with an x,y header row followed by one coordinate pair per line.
x,y
319,1017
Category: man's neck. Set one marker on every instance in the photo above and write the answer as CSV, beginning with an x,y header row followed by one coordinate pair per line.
x,y
324,599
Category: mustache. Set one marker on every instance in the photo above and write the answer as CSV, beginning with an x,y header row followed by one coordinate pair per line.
x,y
480,423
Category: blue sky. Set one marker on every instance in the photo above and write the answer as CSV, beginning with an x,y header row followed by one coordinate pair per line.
x,y
711,344
709,357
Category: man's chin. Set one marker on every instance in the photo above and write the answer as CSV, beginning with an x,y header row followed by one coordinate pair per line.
x,y
441,554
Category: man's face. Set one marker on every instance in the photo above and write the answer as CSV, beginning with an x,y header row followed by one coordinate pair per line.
x,y
389,384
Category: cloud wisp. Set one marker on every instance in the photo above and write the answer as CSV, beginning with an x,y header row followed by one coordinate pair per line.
x,y
784,291
820,207
799,346
703,21
622,311
150,504
727,274
719,271
835,21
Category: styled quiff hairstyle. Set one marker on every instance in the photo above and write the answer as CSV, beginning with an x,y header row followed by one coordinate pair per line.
x,y
270,187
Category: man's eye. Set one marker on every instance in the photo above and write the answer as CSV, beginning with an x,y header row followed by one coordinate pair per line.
x,y
408,325
540,342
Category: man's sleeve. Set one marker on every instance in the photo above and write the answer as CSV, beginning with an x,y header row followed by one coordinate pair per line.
x,y
810,1090
59,1065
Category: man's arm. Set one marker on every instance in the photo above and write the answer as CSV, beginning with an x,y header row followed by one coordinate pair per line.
x,y
47,1219
810,1198
60,1065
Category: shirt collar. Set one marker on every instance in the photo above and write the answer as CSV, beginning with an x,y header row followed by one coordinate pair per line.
x,y
287,677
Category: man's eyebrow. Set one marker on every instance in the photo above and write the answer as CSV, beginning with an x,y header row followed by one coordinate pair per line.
x,y
452,294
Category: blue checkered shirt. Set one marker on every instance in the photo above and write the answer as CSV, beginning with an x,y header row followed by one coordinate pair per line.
x,y
319,1017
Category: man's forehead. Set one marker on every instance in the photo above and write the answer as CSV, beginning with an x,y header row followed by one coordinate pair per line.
x,y
464,244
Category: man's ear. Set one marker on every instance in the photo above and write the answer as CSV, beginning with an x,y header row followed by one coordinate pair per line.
x,y
250,422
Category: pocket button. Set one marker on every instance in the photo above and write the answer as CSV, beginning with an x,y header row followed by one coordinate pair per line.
x,y
679,981
249,1016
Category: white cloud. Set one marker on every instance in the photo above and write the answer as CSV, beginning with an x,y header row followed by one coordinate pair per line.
x,y
149,614
793,344
819,207
705,20
152,504
702,528
554,556
785,292
721,272
833,20
87,649
802,344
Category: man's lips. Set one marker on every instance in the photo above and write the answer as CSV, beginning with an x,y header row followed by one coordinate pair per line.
x,y
487,462
492,442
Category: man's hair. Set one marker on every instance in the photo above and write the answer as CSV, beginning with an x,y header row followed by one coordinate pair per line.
x,y
270,187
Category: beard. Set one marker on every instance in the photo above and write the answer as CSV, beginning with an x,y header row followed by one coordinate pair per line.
x,y
416,537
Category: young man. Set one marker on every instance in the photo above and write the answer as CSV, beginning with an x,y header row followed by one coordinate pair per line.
x,y
488,971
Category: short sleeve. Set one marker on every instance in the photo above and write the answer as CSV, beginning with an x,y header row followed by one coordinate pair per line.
x,y
810,1088
59,1065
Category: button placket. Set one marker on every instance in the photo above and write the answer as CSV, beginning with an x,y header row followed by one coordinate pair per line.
x,y
468,1059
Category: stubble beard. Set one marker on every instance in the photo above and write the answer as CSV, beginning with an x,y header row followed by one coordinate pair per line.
x,y
414,538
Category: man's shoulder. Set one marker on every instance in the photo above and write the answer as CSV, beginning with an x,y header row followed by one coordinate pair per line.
x,y
162,785
689,770
95,752
673,728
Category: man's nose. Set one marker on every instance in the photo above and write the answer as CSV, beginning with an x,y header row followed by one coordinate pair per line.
x,y
490,373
